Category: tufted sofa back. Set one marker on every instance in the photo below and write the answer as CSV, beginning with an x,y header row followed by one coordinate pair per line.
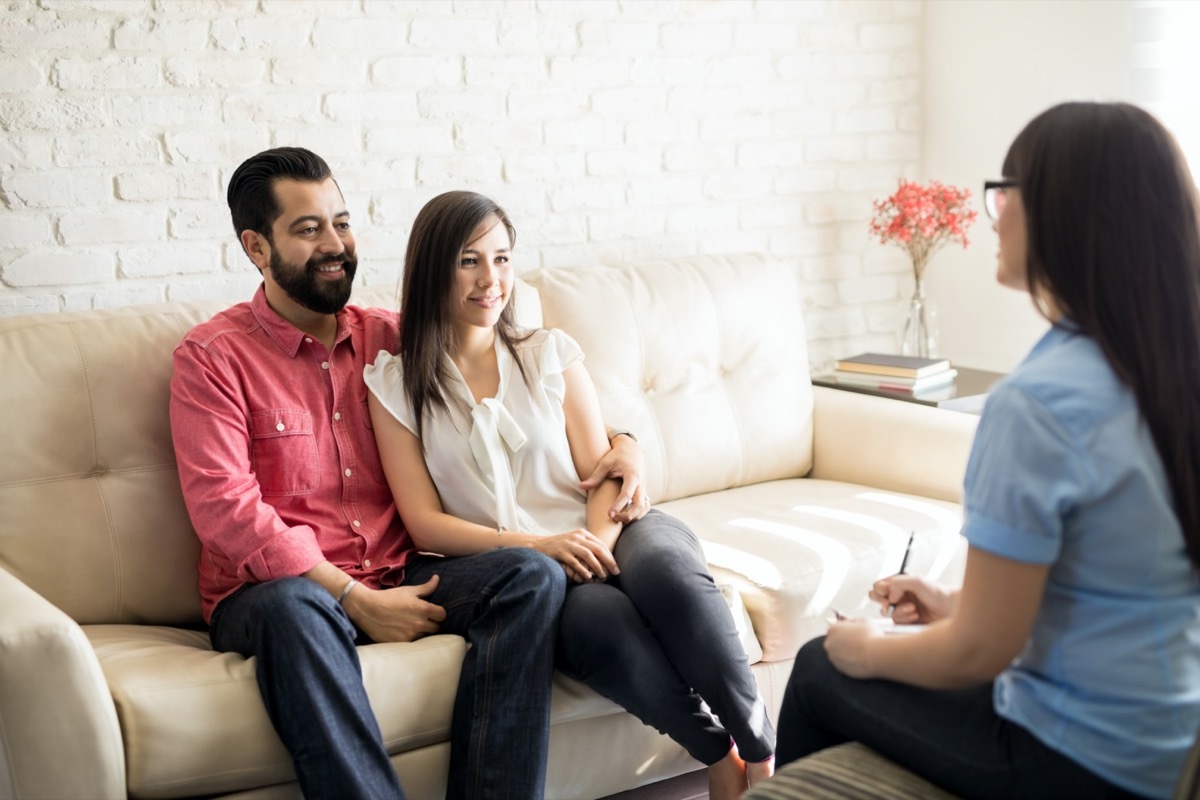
x,y
703,358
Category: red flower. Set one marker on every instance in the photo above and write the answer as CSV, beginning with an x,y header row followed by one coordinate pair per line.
x,y
923,219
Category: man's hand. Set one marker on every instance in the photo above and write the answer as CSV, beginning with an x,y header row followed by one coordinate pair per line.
x,y
623,461
401,614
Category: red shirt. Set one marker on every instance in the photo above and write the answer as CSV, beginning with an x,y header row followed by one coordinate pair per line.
x,y
276,455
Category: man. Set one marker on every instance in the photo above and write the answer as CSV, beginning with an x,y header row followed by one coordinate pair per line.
x,y
303,553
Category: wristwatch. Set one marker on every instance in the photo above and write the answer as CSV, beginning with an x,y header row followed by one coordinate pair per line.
x,y
615,433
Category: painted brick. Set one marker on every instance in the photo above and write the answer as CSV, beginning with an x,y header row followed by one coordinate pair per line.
x,y
53,189
418,71
825,324
97,228
26,150
897,91
501,135
275,107
735,128
105,74
703,158
362,179
371,106
740,70
220,72
624,162
106,149
544,230
388,246
445,171
803,240
807,179
506,70
859,291
548,36
770,154
760,36
111,298
696,223
839,149
164,110
161,35
666,129
340,73
428,137
547,167
631,101
233,288
227,146
583,132
208,222
25,230
606,69
213,8
34,303
56,268
547,104
831,267
593,197
670,70
865,120
358,35
664,191
900,147
39,111
621,37
42,30
739,185
454,35
900,34
262,33
19,75
782,213
94,6
340,143
161,261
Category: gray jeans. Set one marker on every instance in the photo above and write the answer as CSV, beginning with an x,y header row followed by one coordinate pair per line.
x,y
659,640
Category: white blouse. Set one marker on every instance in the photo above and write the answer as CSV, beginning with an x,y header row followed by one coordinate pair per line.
x,y
504,461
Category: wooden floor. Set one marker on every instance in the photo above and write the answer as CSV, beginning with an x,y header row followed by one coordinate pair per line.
x,y
692,786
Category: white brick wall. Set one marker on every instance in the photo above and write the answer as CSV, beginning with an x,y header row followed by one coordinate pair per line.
x,y
611,129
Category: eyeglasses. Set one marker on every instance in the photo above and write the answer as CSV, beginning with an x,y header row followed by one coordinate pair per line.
x,y
993,197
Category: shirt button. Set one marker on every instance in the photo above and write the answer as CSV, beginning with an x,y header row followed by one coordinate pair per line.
x,y
347,473
324,365
337,416
356,524
366,562
279,425
307,339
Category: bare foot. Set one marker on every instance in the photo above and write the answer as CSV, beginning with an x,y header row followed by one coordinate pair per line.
x,y
756,773
727,777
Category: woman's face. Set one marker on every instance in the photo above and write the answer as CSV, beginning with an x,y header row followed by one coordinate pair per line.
x,y
1012,257
484,276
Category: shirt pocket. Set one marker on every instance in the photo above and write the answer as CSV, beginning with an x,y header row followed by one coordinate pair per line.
x,y
283,452
371,454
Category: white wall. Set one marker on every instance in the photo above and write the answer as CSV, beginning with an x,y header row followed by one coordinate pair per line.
x,y
989,67
610,129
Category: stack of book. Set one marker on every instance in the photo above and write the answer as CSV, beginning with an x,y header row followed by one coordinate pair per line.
x,y
895,373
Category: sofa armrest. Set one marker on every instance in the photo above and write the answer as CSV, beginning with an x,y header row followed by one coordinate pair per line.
x,y
890,444
59,735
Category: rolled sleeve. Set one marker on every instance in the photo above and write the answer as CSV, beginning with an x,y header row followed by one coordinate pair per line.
x,y
1024,477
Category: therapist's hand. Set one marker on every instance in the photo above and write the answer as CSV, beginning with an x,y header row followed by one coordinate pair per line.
x,y
916,600
848,645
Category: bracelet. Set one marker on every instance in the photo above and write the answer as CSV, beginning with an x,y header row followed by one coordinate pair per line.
x,y
499,542
615,434
346,591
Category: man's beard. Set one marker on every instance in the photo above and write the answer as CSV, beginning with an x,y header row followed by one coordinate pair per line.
x,y
306,287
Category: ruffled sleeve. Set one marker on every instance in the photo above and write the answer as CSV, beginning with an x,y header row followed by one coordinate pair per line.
x,y
385,379
558,351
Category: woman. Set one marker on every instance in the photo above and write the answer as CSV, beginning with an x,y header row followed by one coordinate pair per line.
x,y
1068,665
485,432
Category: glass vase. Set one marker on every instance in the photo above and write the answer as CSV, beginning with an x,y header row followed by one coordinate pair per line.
x,y
918,337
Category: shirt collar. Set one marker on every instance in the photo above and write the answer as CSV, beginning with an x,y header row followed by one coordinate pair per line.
x,y
286,335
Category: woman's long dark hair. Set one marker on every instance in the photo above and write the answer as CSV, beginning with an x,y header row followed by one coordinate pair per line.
x,y
440,232
1114,242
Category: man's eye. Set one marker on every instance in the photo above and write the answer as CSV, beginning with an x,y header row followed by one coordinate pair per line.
x,y
343,226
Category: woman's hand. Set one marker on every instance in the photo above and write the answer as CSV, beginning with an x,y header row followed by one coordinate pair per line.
x,y
848,645
583,555
623,461
916,600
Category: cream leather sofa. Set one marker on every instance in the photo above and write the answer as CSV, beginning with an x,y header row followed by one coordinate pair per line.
x,y
109,687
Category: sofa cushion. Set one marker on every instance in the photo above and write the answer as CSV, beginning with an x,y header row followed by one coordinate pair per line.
x,y
846,772
703,358
796,548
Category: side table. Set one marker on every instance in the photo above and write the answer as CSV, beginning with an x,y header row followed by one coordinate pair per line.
x,y
966,393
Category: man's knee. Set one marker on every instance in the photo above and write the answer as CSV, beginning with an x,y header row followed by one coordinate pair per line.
x,y
534,572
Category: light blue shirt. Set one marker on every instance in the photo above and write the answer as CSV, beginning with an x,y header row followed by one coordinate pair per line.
x,y
1064,472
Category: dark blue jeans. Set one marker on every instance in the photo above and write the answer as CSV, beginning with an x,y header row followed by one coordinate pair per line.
x,y
506,603
952,738
659,640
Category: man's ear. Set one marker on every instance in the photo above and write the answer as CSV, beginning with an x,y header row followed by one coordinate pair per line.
x,y
257,247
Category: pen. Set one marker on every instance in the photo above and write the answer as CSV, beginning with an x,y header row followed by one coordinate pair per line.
x,y
903,565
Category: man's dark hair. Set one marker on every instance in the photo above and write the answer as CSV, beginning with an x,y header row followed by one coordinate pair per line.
x,y
251,195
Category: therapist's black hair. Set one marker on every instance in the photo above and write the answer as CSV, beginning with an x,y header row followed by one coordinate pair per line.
x,y
1114,243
